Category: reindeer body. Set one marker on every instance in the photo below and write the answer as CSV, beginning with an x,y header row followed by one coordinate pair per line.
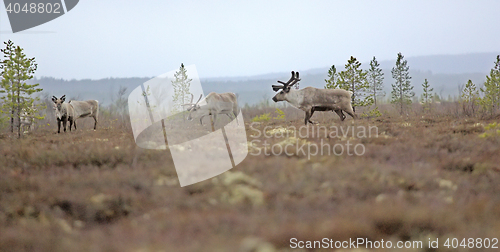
x,y
73,110
26,119
312,99
224,103
89,108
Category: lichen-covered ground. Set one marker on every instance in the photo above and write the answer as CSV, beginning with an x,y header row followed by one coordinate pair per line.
x,y
418,178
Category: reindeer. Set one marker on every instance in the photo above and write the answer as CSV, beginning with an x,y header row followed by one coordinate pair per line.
x,y
89,108
225,103
64,113
26,119
73,110
312,99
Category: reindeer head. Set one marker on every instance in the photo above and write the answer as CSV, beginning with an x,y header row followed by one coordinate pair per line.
x,y
57,104
193,107
285,88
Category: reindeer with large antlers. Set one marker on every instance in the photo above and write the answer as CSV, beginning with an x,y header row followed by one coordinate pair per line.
x,y
225,103
312,99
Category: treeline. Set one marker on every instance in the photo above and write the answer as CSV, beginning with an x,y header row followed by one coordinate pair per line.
x,y
21,94
368,85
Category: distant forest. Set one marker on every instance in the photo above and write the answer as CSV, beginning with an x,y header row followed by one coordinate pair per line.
x,y
445,73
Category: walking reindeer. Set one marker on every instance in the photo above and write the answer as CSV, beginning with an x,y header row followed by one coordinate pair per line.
x,y
225,103
312,99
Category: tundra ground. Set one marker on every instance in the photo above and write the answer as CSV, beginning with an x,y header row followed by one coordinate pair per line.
x,y
422,178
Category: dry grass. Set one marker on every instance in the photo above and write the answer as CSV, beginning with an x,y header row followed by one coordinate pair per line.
x,y
88,190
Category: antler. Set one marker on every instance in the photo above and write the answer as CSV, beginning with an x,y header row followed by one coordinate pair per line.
x,y
295,80
199,99
292,81
191,103
288,82
192,97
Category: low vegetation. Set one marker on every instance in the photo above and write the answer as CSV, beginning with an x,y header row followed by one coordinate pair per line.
x,y
424,176
429,171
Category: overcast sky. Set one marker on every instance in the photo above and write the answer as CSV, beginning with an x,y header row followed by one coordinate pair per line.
x,y
99,39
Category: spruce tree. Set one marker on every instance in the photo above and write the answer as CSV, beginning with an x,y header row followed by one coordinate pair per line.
x,y
375,80
181,86
491,90
427,94
469,98
16,70
401,94
332,76
353,78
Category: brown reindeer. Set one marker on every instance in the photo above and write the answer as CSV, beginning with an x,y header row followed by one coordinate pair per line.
x,y
311,99
73,110
225,103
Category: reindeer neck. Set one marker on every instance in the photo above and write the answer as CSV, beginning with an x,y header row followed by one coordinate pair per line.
x,y
295,97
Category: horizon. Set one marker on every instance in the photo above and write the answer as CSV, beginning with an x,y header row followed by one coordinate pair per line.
x,y
228,39
338,66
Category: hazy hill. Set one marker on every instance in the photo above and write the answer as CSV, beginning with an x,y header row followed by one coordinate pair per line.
x,y
444,72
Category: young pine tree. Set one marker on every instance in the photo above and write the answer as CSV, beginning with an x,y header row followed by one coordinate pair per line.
x,y
491,90
332,77
427,95
331,82
401,94
353,78
16,70
375,80
469,98
181,86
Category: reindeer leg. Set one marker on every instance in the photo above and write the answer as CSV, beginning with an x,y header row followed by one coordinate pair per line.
x,y
236,117
65,120
214,122
201,120
70,124
95,122
308,115
309,120
341,115
74,123
350,112
229,114
58,126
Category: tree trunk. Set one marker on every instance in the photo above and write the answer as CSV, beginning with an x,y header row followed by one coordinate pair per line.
x,y
18,115
374,92
353,97
12,110
401,95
